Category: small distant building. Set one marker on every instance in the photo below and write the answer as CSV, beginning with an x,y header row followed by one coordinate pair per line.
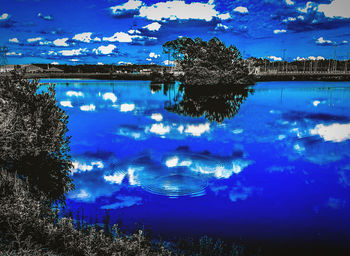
x,y
146,71
32,68
53,70
7,68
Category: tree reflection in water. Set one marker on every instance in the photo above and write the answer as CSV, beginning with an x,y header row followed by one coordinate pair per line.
x,y
215,104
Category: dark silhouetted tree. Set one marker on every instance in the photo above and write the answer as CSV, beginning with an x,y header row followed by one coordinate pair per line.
x,y
33,141
208,62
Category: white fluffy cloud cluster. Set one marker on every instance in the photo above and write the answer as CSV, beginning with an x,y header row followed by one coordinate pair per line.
x,y
61,42
155,26
321,40
173,10
105,50
86,37
337,8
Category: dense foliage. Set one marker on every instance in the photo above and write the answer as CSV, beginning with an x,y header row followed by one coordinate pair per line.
x,y
33,141
29,228
214,106
208,62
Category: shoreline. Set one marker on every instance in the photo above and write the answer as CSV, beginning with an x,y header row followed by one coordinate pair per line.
x,y
341,77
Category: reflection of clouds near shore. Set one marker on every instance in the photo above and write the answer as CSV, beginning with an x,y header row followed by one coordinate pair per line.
x,y
174,174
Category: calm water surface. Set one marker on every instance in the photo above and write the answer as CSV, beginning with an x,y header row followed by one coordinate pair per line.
x,y
278,170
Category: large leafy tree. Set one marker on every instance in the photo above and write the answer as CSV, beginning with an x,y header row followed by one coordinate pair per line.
x,y
208,62
33,141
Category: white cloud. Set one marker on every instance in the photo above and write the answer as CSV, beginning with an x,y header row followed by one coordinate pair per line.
x,y
274,58
157,117
74,60
133,179
74,93
197,130
85,37
116,178
134,31
316,103
99,164
81,167
174,10
289,2
337,8
13,54
45,42
124,201
123,37
224,16
55,63
110,96
73,52
321,40
154,55
119,37
13,40
174,162
81,195
61,42
105,49
32,40
290,19
4,16
237,131
221,171
160,129
310,58
316,58
45,17
300,149
278,31
130,5
221,26
66,103
241,9
240,193
335,132
309,6
127,107
90,107
155,26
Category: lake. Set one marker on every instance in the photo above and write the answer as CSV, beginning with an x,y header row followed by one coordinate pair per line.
x,y
265,167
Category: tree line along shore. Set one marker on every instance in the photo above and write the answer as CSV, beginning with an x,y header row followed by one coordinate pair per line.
x,y
147,72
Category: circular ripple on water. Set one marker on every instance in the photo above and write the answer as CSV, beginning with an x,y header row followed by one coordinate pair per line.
x,y
177,185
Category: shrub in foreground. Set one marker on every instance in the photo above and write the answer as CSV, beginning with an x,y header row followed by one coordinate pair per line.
x,y
28,227
33,141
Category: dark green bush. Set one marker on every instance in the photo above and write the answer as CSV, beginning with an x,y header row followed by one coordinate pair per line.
x,y
27,227
33,141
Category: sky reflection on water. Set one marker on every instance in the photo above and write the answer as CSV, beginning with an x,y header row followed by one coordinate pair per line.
x,y
280,164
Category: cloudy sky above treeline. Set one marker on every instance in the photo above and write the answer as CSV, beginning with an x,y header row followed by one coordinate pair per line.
x,y
123,31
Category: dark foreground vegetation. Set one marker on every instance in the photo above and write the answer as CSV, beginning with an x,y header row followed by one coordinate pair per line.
x,y
35,177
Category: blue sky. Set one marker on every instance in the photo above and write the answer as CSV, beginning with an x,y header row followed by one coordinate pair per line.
x,y
121,31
